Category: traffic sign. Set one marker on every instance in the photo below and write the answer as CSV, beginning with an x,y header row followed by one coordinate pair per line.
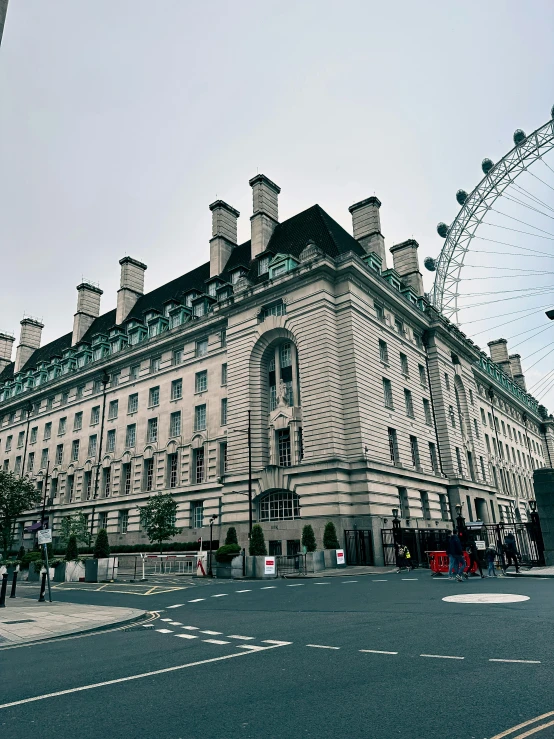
x,y
45,536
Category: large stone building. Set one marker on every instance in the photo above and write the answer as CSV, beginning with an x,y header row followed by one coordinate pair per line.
x,y
361,397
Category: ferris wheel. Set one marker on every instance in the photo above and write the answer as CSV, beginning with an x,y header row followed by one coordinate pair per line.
x,y
497,261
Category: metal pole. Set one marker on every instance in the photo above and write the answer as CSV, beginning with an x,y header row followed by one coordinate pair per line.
x,y
41,598
14,583
210,571
47,573
249,478
105,380
28,409
44,496
3,590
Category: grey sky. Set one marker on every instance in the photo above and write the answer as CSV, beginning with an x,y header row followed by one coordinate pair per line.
x,y
121,120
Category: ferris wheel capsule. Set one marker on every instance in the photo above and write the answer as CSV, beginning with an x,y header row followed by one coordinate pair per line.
x,y
519,136
461,196
430,264
442,229
487,165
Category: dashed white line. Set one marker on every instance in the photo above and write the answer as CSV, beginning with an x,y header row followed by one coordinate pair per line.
x,y
186,636
175,623
243,591
379,580
519,661
321,583
345,581
409,579
166,619
215,641
278,643
177,605
220,595
196,600
296,585
191,628
321,646
165,631
212,633
376,651
237,636
252,647
269,587
440,656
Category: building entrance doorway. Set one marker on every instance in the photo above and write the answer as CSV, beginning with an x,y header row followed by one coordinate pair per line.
x,y
359,547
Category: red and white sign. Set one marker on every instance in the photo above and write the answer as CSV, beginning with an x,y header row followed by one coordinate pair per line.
x,y
340,556
269,566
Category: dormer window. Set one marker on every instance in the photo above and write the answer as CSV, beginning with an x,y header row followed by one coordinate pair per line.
x,y
178,316
212,288
263,266
280,264
199,309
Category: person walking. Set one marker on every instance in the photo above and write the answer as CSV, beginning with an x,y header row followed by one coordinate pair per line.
x,y
490,555
457,561
403,558
474,556
510,550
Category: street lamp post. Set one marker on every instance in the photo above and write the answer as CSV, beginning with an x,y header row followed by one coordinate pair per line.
x,y
210,570
396,526
460,523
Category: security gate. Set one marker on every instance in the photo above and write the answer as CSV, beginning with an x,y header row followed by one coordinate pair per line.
x,y
418,541
359,547
291,565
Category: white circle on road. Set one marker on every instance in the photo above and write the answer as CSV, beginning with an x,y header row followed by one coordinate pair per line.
x,y
486,598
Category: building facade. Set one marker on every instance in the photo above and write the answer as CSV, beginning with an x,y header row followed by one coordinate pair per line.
x,y
360,398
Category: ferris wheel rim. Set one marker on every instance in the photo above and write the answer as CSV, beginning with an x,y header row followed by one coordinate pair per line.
x,y
444,294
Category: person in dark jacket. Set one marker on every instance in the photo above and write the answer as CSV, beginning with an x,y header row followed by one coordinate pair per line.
x,y
474,556
490,555
510,550
454,550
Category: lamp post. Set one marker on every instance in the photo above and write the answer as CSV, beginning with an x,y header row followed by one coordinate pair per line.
x,y
212,519
460,522
396,526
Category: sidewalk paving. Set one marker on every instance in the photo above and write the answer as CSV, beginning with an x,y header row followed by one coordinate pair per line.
x,y
29,621
534,572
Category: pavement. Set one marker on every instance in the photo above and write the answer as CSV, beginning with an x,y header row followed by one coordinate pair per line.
x,y
24,620
534,572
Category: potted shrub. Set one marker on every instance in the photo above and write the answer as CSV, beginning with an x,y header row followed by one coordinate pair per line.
x,y
229,561
330,544
101,566
255,563
315,560
32,563
71,568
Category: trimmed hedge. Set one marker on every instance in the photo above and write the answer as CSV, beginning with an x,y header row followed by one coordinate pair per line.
x,y
174,546
227,552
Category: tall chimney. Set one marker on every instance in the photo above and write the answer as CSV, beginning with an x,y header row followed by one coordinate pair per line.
x,y
517,372
6,344
499,355
406,263
88,309
131,287
224,235
265,195
366,227
29,341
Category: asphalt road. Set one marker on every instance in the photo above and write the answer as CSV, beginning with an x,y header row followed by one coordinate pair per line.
x,y
373,657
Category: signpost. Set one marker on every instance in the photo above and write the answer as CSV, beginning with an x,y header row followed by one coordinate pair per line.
x,y
269,568
44,538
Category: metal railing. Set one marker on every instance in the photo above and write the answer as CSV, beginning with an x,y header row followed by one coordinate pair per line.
x,y
291,565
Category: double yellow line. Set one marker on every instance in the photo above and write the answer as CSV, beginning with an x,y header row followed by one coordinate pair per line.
x,y
530,732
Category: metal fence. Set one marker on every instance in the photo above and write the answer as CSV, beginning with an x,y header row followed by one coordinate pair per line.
x,y
359,547
291,565
131,565
418,541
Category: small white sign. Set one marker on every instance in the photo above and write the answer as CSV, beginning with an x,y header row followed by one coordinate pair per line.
x,y
269,566
340,556
45,536
480,545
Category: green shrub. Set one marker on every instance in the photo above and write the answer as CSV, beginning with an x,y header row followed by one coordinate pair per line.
x,y
29,557
231,537
257,542
102,545
330,540
71,553
227,552
308,538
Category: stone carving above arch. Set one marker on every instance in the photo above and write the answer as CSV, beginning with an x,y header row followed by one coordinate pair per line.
x,y
275,478
126,458
171,447
106,461
198,441
148,452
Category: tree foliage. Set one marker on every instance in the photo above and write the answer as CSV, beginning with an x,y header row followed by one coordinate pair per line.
x,y
257,542
102,545
330,539
227,552
231,537
308,538
77,526
17,495
157,518
72,552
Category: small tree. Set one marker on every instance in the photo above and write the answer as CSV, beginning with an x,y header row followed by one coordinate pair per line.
x,y
157,518
102,545
75,525
308,538
17,495
257,542
231,537
71,553
330,540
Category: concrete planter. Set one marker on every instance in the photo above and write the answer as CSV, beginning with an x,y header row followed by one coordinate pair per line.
x,y
229,570
315,561
34,571
330,558
73,571
97,570
9,570
255,569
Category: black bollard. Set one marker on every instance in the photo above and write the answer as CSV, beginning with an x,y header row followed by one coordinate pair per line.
x,y
14,584
42,588
3,589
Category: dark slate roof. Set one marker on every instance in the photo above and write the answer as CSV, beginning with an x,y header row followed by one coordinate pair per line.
x,y
289,237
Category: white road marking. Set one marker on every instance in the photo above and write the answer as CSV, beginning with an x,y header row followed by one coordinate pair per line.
x,y
321,646
220,595
345,581
215,641
236,636
191,628
133,677
268,587
212,633
440,656
196,600
175,623
252,647
296,585
165,631
177,605
409,579
376,651
519,661
486,598
321,583
165,619
186,636
243,591
277,643
380,581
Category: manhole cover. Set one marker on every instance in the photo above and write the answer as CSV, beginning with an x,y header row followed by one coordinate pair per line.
x,y
486,598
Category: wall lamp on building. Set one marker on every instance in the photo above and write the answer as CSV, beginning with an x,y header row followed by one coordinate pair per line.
x,y
532,506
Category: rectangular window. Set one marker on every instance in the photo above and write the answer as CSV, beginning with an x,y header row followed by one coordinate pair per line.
x,y
107,482
197,514
114,379
200,418
59,454
152,430
17,468
404,502
123,522
452,416
199,465
263,265
126,478
154,396
447,381
110,441
483,473
80,392
132,403
504,430
404,364
424,498
95,415
177,356
69,487
276,309
409,403
223,374
20,439
414,451
201,348
399,326
113,409
201,382
44,458
470,466
422,375
49,403
433,457
427,412
78,421
172,470
47,431
393,445
379,311
92,445
487,442
131,435
34,434
75,450
471,396
387,392
483,417
6,465
102,520
31,462
476,427
134,372
223,338
155,363
148,474
383,351
8,443
97,386
175,424
418,340
223,411
62,426
283,447
223,458
177,389
459,461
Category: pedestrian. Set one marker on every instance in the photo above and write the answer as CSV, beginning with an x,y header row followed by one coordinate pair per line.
x,y
456,554
474,556
403,558
510,550
490,556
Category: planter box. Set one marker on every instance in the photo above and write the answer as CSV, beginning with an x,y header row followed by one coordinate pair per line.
x,y
9,570
34,572
228,570
255,568
101,569
330,558
70,572
315,561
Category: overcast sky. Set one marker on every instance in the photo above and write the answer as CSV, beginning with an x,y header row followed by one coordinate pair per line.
x,y
121,120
